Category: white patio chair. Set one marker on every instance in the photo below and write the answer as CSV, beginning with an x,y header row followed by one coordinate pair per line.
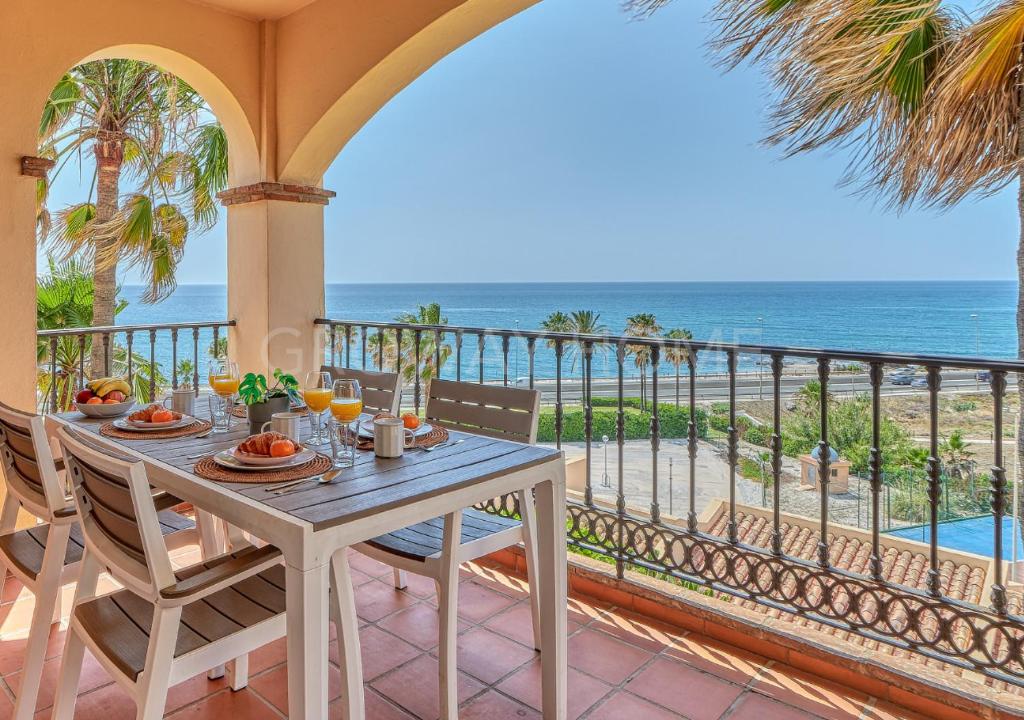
x,y
48,555
382,391
165,626
436,548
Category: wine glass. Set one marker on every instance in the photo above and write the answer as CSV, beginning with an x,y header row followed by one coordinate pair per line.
x,y
317,395
346,405
224,381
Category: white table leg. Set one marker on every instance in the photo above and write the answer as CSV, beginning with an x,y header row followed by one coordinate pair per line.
x,y
551,572
308,633
347,624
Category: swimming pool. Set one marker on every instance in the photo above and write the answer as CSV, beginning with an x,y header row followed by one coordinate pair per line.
x,y
973,535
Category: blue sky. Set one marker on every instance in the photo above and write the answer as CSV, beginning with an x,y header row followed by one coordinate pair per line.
x,y
573,144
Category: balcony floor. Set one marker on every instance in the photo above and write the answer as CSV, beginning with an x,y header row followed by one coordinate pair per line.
x,y
622,666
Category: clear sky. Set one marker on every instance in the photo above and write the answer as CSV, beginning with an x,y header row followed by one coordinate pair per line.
x,y
574,144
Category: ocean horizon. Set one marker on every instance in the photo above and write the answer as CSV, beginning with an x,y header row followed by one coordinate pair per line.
x,y
941,317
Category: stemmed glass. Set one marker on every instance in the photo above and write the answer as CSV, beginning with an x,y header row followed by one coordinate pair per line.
x,y
224,380
317,395
346,405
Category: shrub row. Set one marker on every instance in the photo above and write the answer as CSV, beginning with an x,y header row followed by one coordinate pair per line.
x,y
674,421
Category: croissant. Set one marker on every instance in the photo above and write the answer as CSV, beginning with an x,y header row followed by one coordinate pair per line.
x,y
260,444
384,416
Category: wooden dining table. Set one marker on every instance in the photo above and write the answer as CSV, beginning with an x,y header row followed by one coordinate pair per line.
x,y
375,496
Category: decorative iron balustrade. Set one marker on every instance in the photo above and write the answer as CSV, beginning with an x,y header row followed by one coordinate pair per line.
x,y
988,639
66,350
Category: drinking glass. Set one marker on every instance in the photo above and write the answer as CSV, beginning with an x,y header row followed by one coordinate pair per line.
x,y
317,395
224,381
220,413
346,405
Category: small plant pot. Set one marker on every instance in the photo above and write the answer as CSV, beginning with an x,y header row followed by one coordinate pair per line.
x,y
260,413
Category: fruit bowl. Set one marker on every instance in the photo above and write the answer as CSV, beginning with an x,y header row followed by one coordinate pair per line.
x,y
106,410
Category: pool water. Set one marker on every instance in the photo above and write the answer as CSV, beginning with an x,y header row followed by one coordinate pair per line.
x,y
972,535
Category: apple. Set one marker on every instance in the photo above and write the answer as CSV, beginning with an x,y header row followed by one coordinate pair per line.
x,y
115,395
94,401
84,396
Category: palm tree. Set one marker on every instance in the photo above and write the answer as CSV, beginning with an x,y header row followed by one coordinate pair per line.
x,y
677,355
584,322
428,348
643,325
146,126
556,322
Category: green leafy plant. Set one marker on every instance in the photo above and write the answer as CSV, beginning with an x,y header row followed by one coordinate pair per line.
x,y
254,388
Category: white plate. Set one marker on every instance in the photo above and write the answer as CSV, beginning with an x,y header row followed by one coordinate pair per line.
x,y
126,424
227,459
366,429
139,424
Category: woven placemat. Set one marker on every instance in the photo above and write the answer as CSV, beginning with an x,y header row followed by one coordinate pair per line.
x,y
193,428
436,436
207,468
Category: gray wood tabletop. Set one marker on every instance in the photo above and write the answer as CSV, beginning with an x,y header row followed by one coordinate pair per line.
x,y
372,485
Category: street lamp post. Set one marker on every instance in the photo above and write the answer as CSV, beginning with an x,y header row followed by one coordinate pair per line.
x,y
605,480
977,348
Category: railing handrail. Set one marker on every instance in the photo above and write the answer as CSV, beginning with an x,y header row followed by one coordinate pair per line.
x,y
101,329
886,358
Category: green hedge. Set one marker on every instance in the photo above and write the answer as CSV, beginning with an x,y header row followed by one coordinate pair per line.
x,y
721,423
674,421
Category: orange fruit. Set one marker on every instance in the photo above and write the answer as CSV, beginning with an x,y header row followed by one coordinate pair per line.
x,y
94,401
282,448
410,421
162,416
110,401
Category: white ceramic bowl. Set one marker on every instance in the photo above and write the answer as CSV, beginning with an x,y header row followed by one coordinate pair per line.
x,y
106,411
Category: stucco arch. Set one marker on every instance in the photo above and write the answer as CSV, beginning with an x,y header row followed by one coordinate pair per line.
x,y
243,154
356,99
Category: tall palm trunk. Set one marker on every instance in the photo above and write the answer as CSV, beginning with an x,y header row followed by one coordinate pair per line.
x,y
677,384
109,149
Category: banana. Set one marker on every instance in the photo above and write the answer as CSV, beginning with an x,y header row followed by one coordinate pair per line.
x,y
97,383
109,385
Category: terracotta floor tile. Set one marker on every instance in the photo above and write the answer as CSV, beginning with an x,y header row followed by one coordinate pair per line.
x,y
510,585
638,630
226,704
757,707
689,692
193,689
273,686
605,657
488,656
376,600
805,691
723,660
624,705
367,565
583,612
109,702
495,706
584,691
477,603
12,650
417,625
93,676
887,711
381,652
517,623
414,687
272,654
421,586
377,708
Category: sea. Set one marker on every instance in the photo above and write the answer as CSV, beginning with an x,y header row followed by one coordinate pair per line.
x,y
945,317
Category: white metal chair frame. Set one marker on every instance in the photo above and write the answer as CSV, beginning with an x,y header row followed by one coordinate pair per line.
x,y
508,413
149,576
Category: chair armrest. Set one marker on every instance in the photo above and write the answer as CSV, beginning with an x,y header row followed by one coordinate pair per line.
x,y
224,574
65,513
164,500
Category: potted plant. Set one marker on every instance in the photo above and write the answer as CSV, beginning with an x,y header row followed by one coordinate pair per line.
x,y
263,400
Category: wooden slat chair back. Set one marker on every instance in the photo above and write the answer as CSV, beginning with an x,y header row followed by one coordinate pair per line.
x,y
494,411
166,626
28,465
435,548
382,391
117,513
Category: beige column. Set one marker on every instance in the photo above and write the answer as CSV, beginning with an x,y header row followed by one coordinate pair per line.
x,y
276,276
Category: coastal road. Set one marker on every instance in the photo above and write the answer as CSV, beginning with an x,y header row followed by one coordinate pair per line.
x,y
751,387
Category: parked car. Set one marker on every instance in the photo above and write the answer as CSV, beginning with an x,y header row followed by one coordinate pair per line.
x,y
983,375
920,382
901,377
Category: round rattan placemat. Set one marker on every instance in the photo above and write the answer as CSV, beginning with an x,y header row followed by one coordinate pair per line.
x,y
436,436
209,469
193,428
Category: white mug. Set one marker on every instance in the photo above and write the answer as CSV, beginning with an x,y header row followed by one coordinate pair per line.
x,y
287,423
391,437
182,400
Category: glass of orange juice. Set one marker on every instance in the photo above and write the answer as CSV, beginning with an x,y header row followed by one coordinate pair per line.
x,y
346,405
224,380
317,395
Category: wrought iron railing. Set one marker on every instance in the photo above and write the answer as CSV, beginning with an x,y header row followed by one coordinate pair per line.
x,y
64,356
987,637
